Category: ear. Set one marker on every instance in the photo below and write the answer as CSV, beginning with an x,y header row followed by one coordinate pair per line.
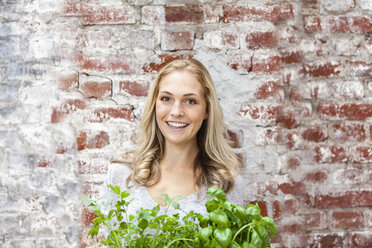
x,y
205,116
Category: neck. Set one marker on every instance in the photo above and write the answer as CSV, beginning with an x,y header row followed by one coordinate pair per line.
x,y
176,156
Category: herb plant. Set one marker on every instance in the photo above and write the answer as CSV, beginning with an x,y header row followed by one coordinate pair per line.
x,y
226,225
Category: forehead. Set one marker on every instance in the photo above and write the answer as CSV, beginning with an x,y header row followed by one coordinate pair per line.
x,y
181,82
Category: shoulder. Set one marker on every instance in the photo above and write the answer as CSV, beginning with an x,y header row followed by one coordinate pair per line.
x,y
117,175
236,195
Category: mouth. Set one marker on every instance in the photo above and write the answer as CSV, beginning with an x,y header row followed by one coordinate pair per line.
x,y
176,124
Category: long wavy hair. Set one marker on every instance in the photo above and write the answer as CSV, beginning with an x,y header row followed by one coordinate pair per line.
x,y
216,163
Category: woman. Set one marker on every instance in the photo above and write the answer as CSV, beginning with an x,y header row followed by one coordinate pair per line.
x,y
182,149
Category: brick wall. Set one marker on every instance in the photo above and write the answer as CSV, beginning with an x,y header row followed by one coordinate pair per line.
x,y
294,82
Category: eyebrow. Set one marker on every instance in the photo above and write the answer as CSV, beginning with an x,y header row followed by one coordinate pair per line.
x,y
188,94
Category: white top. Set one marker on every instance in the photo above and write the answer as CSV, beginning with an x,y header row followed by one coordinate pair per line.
x,y
118,174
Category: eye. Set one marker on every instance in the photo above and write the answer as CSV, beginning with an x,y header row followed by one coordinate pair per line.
x,y
165,99
190,101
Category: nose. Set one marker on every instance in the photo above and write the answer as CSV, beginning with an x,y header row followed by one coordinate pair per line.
x,y
177,110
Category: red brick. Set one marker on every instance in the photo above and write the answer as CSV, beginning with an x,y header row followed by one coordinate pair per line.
x,y
330,154
241,62
316,177
267,90
72,7
361,68
327,240
44,163
293,57
220,40
286,11
361,198
321,70
177,41
88,216
212,13
313,24
105,114
310,4
157,62
124,64
270,64
264,112
81,141
267,39
293,163
100,140
235,138
347,219
96,89
360,239
293,228
67,80
346,111
315,220
289,120
348,176
69,106
352,24
188,13
295,142
291,187
133,88
107,15
268,136
348,132
362,154
286,208
242,13
316,134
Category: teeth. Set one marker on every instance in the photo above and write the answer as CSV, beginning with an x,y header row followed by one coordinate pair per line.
x,y
177,124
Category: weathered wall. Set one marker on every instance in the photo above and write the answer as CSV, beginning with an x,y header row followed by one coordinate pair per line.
x,y
294,82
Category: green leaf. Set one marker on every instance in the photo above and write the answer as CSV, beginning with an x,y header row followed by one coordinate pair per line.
x,y
115,189
223,236
205,233
143,224
124,194
175,205
217,192
270,225
219,217
93,231
203,220
211,205
165,198
263,233
155,210
256,239
247,245
254,211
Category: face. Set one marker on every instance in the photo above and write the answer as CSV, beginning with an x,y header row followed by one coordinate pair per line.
x,y
180,107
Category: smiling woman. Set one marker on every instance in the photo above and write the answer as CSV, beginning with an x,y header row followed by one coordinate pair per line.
x,y
182,149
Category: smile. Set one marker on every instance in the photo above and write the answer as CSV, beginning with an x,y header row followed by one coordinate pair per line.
x,y
177,124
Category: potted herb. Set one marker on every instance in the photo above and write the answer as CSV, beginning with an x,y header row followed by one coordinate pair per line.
x,y
225,225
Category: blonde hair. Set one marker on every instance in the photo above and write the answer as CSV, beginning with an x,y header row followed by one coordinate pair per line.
x,y
216,160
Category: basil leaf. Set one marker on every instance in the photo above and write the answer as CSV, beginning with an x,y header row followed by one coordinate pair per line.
x,y
223,236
